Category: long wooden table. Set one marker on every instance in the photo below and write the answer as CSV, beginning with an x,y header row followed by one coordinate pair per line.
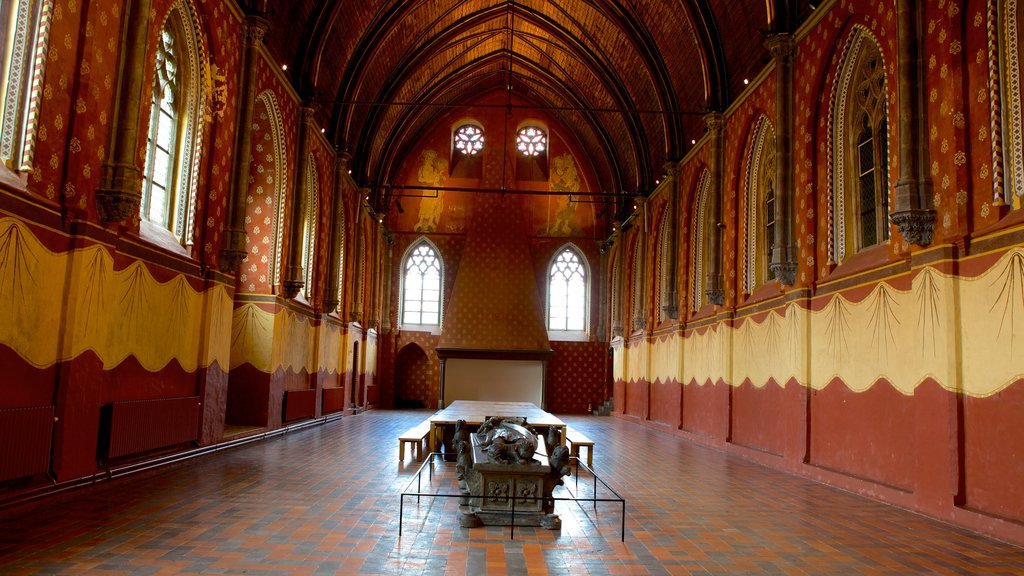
x,y
475,412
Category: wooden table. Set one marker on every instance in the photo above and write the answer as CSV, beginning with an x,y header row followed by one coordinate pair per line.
x,y
475,412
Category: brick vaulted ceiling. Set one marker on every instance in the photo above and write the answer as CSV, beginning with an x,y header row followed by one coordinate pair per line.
x,y
631,78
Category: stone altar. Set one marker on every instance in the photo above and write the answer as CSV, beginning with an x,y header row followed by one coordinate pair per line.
x,y
504,464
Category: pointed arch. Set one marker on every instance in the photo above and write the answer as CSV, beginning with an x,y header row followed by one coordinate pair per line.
x,y
174,145
309,228
858,149
759,224
422,286
637,284
28,30
615,291
342,230
664,253
260,272
698,242
270,113
568,291
1006,88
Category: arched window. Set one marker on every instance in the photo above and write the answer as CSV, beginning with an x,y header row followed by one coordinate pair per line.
x,y
860,175
567,291
760,208
421,286
25,27
175,123
532,160
469,140
532,141
702,228
309,222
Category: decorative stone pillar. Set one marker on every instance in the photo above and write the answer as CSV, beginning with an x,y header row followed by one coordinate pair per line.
x,y
913,213
119,193
783,262
670,297
232,250
294,275
714,286
337,233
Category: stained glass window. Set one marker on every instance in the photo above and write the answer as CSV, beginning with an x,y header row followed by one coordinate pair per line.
x,y
421,287
157,192
469,140
532,141
567,292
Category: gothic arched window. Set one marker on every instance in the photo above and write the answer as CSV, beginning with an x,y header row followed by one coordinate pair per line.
x,y
567,291
860,154
421,286
172,146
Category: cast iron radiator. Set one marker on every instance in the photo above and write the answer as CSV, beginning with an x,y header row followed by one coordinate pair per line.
x,y
299,404
334,399
141,425
25,438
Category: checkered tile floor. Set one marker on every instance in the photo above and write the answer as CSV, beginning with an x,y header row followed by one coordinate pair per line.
x,y
325,501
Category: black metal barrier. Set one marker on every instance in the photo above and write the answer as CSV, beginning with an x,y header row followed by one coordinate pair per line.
x,y
429,464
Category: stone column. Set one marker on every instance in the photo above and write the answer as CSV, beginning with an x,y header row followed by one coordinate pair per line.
x,y
294,279
713,285
783,263
670,299
913,213
232,250
119,193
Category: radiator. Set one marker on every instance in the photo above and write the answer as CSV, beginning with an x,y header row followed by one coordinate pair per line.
x,y
334,400
142,425
299,404
25,438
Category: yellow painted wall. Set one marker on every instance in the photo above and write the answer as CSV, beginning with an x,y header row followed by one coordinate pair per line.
x,y
941,327
60,305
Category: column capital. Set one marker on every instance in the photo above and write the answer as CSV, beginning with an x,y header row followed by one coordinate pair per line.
x,y
671,169
254,28
233,252
715,123
118,197
782,46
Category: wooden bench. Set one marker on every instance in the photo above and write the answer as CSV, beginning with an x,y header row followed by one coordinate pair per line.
x,y
415,436
574,439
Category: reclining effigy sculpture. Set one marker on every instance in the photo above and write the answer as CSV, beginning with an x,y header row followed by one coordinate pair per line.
x,y
503,478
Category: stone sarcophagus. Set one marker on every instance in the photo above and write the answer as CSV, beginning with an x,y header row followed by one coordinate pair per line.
x,y
506,475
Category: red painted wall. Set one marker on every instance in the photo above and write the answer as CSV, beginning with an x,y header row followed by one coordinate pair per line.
x,y
760,417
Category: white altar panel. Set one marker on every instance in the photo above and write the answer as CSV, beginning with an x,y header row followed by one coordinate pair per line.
x,y
493,380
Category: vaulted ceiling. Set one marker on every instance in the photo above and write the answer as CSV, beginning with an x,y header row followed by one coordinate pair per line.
x,y
631,78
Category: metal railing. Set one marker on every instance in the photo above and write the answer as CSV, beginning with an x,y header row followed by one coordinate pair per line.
x,y
429,465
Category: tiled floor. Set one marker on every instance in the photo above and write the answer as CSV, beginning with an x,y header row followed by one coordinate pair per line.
x,y
325,501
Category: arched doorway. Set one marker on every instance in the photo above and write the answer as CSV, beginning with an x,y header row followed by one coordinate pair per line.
x,y
416,379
